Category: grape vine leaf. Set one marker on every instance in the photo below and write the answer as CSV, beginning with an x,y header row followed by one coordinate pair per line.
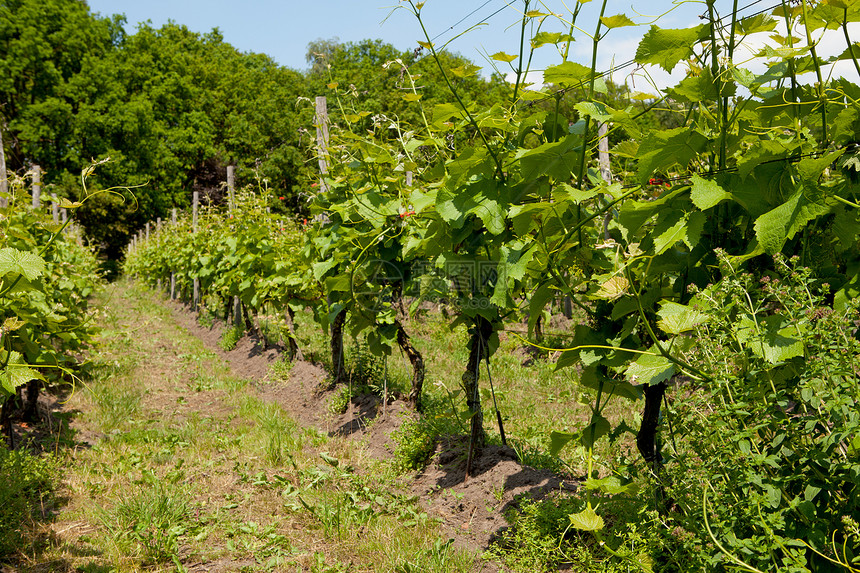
x,y
677,318
567,73
772,338
663,149
617,21
707,193
650,368
666,47
811,168
558,159
586,520
670,228
17,373
592,378
596,429
779,225
697,88
503,57
24,263
544,38
557,440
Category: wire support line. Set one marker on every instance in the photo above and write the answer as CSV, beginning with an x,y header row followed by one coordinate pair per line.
x,y
466,17
628,63
712,173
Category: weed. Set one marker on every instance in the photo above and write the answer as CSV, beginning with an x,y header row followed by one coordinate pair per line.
x,y
116,404
280,369
339,400
28,481
230,338
150,523
415,441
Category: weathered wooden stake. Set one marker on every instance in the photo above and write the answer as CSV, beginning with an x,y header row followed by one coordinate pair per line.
x,y
160,283
173,274
231,187
55,208
4,182
195,201
237,312
37,187
321,123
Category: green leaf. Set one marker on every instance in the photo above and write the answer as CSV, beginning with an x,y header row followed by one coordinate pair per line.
x,y
670,229
25,263
667,47
707,193
810,169
757,23
592,378
610,484
677,318
503,57
695,226
567,74
558,159
596,429
697,88
543,38
322,267
650,368
663,149
586,520
597,110
17,373
772,338
778,225
627,148
411,97
613,288
557,440
617,21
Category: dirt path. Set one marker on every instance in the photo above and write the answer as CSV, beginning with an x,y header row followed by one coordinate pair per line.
x,y
179,456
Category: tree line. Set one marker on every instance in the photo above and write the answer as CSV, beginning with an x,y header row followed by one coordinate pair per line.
x,y
172,108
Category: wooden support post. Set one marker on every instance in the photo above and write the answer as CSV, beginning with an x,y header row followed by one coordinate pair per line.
x,y
159,282
4,178
321,123
237,312
231,187
55,209
147,231
173,274
195,202
64,215
37,187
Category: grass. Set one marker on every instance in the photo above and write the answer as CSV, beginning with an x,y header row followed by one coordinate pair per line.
x,y
187,465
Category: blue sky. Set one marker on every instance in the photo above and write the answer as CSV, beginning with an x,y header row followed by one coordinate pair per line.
x,y
283,29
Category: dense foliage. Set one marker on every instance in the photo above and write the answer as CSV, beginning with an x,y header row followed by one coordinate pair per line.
x,y
171,107
716,270
46,278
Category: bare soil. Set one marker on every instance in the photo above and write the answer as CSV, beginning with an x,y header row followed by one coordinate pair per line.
x,y
472,508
